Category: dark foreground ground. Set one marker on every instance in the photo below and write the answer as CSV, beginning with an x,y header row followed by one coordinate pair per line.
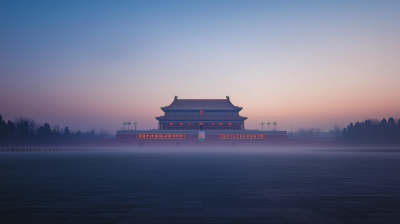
x,y
122,187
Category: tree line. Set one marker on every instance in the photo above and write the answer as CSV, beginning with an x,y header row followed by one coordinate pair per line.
x,y
372,131
24,131
317,134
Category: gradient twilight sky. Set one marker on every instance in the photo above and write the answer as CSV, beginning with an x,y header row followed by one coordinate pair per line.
x,y
95,64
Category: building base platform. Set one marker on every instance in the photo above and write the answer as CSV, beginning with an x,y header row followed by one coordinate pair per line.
x,y
200,138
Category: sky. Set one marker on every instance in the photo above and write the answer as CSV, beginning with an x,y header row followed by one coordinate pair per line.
x,y
302,64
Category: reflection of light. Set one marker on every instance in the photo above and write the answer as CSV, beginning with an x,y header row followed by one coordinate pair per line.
x,y
171,123
221,123
213,123
237,123
201,123
180,123
229,123
189,123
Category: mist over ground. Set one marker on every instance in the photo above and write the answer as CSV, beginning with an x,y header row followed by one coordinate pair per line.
x,y
277,186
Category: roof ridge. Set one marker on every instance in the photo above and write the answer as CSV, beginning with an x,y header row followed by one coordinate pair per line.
x,y
201,99
205,104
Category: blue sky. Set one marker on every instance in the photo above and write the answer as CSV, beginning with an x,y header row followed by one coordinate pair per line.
x,y
95,64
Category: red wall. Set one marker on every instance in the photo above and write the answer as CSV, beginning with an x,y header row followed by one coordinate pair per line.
x,y
196,126
191,140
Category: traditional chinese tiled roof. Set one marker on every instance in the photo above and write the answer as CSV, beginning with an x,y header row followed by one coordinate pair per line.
x,y
201,118
201,104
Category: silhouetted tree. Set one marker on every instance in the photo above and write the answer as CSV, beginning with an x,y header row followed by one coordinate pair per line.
x,y
373,132
104,133
308,133
344,135
25,130
391,130
56,134
3,130
336,132
76,135
10,132
66,135
44,134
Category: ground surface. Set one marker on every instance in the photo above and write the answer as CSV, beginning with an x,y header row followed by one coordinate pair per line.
x,y
121,187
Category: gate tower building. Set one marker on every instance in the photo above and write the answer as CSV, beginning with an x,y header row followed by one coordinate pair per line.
x,y
201,114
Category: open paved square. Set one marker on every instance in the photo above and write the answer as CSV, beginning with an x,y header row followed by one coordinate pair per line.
x,y
124,187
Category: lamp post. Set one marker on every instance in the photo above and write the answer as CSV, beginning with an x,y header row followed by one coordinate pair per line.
x,y
262,125
275,123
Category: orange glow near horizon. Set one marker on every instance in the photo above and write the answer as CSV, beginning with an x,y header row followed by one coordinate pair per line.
x,y
327,72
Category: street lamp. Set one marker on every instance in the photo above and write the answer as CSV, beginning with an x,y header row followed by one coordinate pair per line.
x,y
262,125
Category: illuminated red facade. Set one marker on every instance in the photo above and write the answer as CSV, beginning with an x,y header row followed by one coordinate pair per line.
x,y
201,114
